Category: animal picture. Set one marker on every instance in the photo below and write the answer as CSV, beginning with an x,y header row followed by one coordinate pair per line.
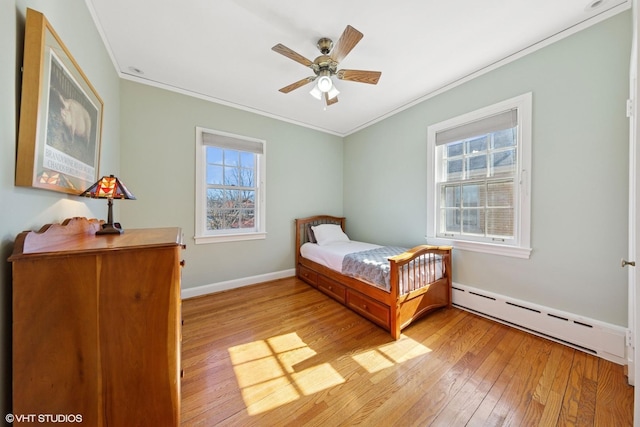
x,y
67,124
77,120
71,124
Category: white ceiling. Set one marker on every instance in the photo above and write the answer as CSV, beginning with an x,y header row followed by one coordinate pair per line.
x,y
221,50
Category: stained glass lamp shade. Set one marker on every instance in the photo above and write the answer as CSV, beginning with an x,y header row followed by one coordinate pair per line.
x,y
109,187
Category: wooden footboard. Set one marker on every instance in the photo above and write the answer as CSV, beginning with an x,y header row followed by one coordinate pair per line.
x,y
416,296
410,297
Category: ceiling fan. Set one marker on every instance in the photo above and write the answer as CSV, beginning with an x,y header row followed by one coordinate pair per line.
x,y
325,66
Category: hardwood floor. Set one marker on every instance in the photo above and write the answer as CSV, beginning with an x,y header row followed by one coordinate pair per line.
x,y
283,354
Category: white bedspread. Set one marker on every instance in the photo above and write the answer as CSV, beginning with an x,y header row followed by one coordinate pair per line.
x,y
332,255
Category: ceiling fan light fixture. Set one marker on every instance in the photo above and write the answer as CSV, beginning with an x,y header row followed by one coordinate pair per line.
x,y
324,83
333,92
316,93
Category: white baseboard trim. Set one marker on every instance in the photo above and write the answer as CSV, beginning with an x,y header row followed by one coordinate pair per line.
x,y
237,283
588,335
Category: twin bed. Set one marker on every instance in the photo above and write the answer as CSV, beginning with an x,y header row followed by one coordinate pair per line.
x,y
390,286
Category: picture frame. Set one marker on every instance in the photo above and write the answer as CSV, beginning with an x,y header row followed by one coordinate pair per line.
x,y
60,126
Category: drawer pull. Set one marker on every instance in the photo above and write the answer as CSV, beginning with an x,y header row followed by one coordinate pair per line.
x,y
330,288
183,263
365,306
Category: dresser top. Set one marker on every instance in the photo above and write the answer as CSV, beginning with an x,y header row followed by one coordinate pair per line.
x,y
77,235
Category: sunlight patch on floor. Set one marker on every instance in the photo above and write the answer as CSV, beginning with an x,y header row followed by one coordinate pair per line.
x,y
318,378
281,369
267,375
386,355
373,361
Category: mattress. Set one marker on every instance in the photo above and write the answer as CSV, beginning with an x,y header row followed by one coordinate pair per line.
x,y
334,256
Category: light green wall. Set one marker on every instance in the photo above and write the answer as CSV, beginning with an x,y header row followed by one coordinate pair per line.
x,y
27,208
580,174
304,177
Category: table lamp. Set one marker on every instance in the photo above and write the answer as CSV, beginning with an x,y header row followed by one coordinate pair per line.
x,y
109,187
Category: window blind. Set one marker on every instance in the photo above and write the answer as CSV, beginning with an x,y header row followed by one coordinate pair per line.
x,y
229,142
505,120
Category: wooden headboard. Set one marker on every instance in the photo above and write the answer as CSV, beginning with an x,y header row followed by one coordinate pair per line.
x,y
303,223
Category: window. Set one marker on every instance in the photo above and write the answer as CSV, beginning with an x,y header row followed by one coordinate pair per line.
x,y
230,185
479,179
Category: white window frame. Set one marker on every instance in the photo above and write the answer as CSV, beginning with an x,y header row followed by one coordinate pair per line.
x,y
520,247
202,235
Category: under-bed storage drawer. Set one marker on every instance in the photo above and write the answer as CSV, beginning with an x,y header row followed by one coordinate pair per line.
x,y
369,308
308,275
332,288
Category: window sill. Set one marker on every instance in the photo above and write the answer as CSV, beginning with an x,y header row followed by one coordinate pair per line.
x,y
221,238
487,248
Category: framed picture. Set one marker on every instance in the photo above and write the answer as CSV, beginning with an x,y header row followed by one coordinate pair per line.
x,y
60,115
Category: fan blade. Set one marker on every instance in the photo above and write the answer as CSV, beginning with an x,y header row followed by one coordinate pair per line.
x,y
297,84
330,101
360,76
347,41
283,50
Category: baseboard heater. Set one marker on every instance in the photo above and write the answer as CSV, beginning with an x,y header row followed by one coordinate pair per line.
x,y
590,336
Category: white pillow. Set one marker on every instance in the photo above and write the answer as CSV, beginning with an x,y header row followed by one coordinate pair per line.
x,y
329,233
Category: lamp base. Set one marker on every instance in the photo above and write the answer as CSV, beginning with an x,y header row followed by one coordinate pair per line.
x,y
110,229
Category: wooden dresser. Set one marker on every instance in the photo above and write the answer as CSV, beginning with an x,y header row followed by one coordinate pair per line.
x,y
96,324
